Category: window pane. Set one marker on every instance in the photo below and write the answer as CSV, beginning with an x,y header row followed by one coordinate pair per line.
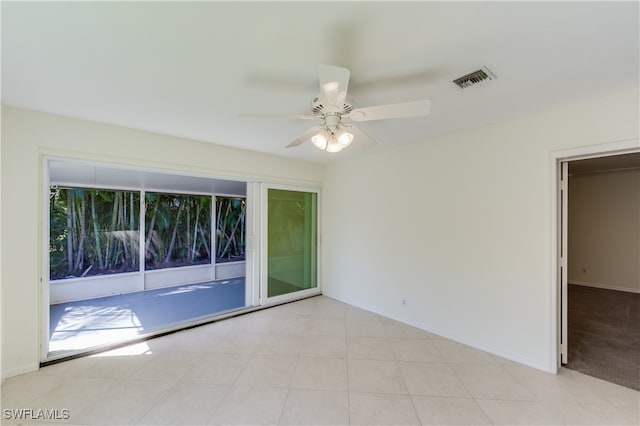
x,y
178,230
230,228
292,243
92,232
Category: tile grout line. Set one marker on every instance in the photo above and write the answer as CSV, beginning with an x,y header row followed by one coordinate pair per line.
x,y
473,397
286,397
346,360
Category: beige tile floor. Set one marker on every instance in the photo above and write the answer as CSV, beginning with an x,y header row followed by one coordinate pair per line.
x,y
316,361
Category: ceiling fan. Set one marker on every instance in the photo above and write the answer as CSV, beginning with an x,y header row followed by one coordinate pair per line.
x,y
336,114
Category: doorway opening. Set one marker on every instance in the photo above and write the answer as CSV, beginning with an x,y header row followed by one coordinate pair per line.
x,y
603,317
598,277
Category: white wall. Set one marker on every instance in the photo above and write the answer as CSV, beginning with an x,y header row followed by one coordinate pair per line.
x,y
604,230
27,136
460,226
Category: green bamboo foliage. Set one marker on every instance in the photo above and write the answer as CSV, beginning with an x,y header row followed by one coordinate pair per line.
x,y
95,232
92,232
178,230
230,229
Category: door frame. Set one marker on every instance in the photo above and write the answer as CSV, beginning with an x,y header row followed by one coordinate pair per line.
x,y
556,158
265,300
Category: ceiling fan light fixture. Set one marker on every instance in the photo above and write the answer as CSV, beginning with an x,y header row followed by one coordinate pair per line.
x,y
320,140
329,141
344,138
334,146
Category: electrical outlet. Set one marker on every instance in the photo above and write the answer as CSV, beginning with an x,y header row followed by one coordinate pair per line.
x,y
404,302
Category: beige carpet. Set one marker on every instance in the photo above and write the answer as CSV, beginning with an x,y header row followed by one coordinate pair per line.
x,y
604,334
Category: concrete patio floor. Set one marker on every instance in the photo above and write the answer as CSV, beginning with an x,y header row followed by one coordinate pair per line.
x,y
87,323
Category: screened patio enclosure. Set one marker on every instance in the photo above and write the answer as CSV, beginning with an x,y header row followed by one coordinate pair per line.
x,y
123,240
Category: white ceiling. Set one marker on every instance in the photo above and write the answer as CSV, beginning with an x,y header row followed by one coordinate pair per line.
x,y
188,68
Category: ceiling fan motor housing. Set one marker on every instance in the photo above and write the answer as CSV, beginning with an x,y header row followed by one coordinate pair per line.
x,y
318,107
332,122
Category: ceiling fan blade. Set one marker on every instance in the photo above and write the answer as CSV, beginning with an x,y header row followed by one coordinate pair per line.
x,y
294,117
334,82
359,136
383,112
305,136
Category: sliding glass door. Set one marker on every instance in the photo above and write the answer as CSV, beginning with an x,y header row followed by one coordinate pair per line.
x,y
291,244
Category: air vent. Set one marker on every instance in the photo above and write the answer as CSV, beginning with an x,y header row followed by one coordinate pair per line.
x,y
474,78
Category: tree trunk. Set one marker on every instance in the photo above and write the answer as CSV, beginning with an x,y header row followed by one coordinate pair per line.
x,y
195,233
188,233
232,236
174,234
132,257
242,227
122,221
79,264
223,232
75,226
94,219
69,232
112,229
204,241
151,225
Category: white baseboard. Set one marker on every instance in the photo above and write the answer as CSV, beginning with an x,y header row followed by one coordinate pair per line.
x,y
604,286
20,370
544,366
